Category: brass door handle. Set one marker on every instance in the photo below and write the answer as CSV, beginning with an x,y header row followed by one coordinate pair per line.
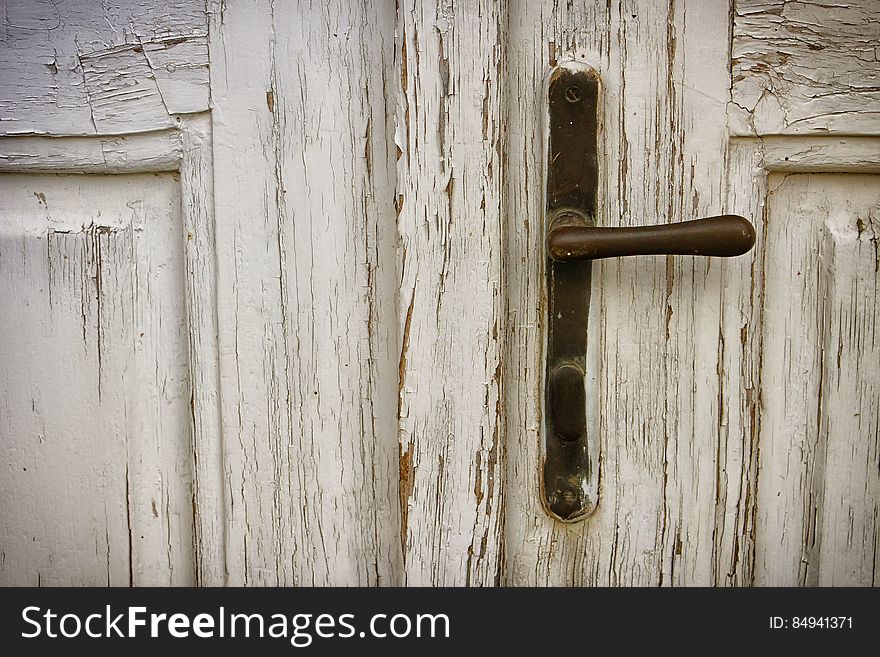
x,y
570,460
723,236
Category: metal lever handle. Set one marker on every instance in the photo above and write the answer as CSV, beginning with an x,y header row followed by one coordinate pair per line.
x,y
723,236
570,458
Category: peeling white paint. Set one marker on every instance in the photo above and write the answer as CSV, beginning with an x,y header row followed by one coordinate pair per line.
x,y
352,364
806,67
76,68
302,110
818,487
450,303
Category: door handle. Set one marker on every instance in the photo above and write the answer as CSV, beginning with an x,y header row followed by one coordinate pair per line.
x,y
723,236
570,467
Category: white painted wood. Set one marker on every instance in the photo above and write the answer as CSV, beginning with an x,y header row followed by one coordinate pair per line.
x,y
200,293
818,485
828,154
805,67
680,339
450,119
749,352
187,151
138,153
95,385
664,68
355,253
303,165
78,67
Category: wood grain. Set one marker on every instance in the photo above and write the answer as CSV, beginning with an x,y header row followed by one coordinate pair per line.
x,y
450,121
303,173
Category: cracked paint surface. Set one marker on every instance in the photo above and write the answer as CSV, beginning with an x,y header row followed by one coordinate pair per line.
x,y
95,411
374,320
72,67
809,67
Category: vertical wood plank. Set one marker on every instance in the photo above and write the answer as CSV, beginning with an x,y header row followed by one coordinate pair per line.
x,y
69,67
540,551
306,281
741,360
199,239
450,122
665,70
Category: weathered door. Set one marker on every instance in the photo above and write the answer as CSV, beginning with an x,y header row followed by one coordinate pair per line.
x,y
272,305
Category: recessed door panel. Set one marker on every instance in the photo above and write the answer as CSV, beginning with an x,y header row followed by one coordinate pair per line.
x,y
95,420
818,481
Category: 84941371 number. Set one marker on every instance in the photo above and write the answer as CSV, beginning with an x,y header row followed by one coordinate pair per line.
x,y
811,622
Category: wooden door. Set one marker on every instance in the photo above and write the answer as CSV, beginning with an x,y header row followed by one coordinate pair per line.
x,y
273,306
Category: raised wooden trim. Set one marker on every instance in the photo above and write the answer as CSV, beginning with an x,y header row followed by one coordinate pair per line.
x,y
147,152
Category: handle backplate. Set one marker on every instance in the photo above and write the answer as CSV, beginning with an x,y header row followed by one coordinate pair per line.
x,y
570,470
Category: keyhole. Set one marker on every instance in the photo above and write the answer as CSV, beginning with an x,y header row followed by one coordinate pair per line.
x,y
573,94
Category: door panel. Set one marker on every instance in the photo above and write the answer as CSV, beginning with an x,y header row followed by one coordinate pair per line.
x,y
818,483
97,484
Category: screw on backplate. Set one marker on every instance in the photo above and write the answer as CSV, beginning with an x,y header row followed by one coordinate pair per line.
x,y
573,94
